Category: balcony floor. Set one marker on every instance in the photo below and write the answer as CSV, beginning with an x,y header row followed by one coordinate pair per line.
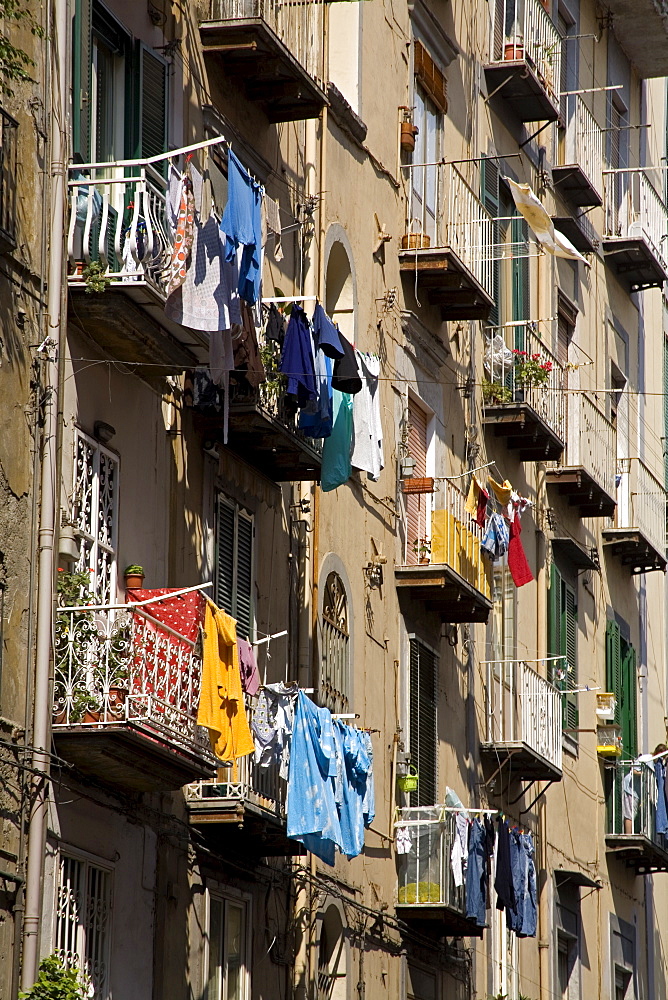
x,y
442,590
128,322
634,261
265,442
247,49
131,756
524,762
638,852
518,84
572,182
524,430
579,231
582,490
242,825
634,549
436,919
447,282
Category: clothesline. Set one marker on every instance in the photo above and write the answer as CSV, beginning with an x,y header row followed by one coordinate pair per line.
x,y
136,604
290,298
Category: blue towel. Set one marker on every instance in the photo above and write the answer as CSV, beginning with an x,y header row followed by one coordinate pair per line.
x,y
315,419
325,334
297,361
353,766
242,225
336,465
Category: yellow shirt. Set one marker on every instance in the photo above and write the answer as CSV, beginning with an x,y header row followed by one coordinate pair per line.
x,y
221,704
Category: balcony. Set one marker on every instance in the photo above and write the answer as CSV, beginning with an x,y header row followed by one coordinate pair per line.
x,y
524,721
579,174
526,60
531,417
636,224
641,28
126,690
245,805
455,584
631,819
587,476
579,230
8,175
638,538
448,248
118,221
426,892
274,48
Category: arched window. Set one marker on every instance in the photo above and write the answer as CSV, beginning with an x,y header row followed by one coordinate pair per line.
x,y
332,957
335,661
339,290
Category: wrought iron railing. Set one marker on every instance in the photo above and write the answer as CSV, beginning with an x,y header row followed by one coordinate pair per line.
x,y
118,218
507,380
583,141
114,667
446,210
522,707
298,25
632,801
635,210
424,875
641,502
524,30
591,442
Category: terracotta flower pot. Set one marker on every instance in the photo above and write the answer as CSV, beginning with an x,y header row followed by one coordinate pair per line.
x,y
513,50
117,696
408,133
415,241
134,581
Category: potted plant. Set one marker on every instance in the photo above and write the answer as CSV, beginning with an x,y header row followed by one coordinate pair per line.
x,y
94,274
495,393
134,577
422,549
530,370
56,982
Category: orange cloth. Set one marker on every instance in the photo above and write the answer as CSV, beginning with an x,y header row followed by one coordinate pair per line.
x,y
475,489
221,704
502,491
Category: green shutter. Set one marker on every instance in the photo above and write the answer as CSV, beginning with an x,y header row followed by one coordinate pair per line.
x,y
613,666
151,103
629,700
554,613
82,77
665,402
570,648
224,580
243,604
423,734
520,279
234,564
490,198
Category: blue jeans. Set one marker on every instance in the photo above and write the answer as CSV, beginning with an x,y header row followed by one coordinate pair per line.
x,y
527,908
518,867
476,876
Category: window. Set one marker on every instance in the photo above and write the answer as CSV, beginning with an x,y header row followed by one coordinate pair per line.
x,y
424,180
335,666
420,984
234,563
83,920
622,984
227,965
623,953
504,612
417,504
423,742
95,514
665,397
332,957
568,920
562,627
621,679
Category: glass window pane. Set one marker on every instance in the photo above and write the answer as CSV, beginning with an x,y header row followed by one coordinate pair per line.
x,y
234,949
214,978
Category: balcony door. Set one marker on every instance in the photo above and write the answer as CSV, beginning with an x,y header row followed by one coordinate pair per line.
x,y
418,521
425,194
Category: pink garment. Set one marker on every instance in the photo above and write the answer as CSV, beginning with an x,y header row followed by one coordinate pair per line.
x,y
250,675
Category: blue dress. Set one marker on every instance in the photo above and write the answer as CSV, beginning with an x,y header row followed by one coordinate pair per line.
x,y
242,225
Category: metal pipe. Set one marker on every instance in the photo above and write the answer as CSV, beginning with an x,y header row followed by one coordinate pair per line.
x,y
42,702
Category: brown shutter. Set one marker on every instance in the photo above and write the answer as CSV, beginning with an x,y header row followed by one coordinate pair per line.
x,y
431,77
416,503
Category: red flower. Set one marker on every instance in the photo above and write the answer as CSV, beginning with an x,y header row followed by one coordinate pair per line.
x,y
535,357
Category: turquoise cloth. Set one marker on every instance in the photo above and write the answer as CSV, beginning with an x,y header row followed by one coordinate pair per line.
x,y
336,467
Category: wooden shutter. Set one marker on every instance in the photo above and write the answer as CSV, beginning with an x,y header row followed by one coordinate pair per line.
x,y
224,582
430,76
629,713
243,610
423,732
416,503
570,648
152,103
82,77
613,666
665,410
520,272
490,199
234,563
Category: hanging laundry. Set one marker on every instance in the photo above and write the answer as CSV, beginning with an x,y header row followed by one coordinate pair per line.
x,y
250,675
183,239
247,361
503,883
272,212
200,391
459,852
517,560
312,815
525,887
336,467
272,726
221,705
476,502
326,335
476,875
368,433
369,803
297,359
316,418
275,327
353,767
403,843
242,224
174,182
502,491
207,298
490,843
496,538
346,373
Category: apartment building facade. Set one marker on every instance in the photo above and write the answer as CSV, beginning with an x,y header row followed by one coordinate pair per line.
x,y
392,140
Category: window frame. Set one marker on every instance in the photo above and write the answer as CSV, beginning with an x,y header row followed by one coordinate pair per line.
x,y
333,624
240,513
244,902
415,739
87,862
85,534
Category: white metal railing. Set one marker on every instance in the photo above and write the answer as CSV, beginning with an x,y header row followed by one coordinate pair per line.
x,y
298,25
447,210
243,781
425,873
632,802
591,441
641,502
125,666
635,210
118,217
524,30
583,142
508,347
524,708
456,537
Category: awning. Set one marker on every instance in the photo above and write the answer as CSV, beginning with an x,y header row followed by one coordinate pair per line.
x,y
536,215
575,877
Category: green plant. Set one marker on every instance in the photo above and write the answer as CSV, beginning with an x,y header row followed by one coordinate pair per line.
x,y
56,982
95,277
422,547
83,701
494,392
73,588
15,63
274,384
530,370
134,570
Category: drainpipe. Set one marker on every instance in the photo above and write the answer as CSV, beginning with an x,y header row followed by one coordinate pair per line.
x,y
47,527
